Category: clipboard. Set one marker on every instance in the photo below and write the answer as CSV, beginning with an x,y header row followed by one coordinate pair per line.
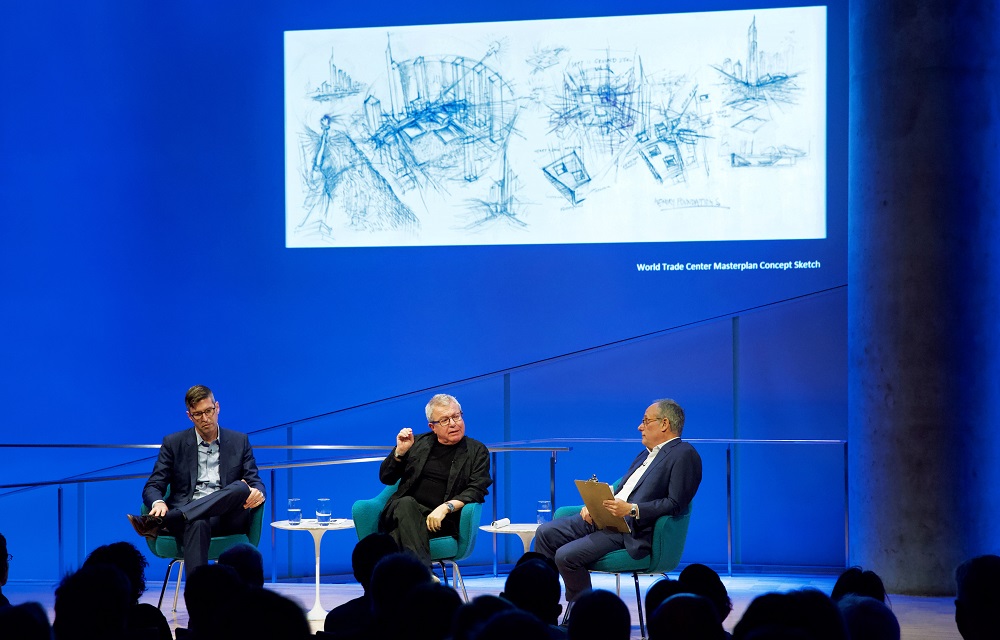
x,y
594,494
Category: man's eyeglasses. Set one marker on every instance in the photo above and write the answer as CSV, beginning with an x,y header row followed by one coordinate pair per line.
x,y
647,421
197,415
447,421
9,557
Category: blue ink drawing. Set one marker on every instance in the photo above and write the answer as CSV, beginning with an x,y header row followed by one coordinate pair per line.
x,y
757,87
446,119
569,176
622,118
344,186
339,85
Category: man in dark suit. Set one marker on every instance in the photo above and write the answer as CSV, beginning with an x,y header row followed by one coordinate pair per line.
x,y
439,472
212,478
662,480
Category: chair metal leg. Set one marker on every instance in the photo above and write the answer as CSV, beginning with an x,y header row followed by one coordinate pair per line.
x,y
177,588
444,571
638,604
459,580
618,584
166,579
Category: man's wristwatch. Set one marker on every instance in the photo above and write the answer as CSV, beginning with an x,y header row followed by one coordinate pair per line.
x,y
634,511
451,507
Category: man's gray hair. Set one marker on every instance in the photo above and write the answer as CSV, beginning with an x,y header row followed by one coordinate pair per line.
x,y
440,400
669,409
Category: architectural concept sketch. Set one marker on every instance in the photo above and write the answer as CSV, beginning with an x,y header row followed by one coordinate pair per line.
x,y
755,87
638,129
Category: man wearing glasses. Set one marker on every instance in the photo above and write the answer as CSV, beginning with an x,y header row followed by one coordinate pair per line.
x,y
212,478
439,472
661,480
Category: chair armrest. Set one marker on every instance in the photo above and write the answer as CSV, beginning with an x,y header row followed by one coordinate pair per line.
x,y
256,524
468,528
566,511
669,536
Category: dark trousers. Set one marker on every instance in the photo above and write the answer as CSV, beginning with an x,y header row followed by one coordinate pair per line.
x,y
405,520
217,514
575,545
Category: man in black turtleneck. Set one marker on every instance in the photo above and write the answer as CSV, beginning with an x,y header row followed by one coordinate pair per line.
x,y
439,473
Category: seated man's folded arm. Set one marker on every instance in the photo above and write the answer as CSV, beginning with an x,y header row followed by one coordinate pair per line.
x,y
249,464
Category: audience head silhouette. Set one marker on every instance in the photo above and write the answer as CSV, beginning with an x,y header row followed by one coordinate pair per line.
x,y
26,621
143,620
247,562
471,617
266,615
92,604
128,559
513,623
867,618
429,610
534,555
367,553
533,586
4,563
662,589
393,578
214,596
599,615
686,616
808,611
859,582
978,597
703,581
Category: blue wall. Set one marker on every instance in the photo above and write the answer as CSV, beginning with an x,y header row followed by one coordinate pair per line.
x,y
142,251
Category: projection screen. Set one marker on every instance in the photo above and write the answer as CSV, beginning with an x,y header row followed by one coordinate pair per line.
x,y
655,128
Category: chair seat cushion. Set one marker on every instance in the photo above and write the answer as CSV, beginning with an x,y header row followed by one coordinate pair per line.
x,y
169,547
621,562
444,548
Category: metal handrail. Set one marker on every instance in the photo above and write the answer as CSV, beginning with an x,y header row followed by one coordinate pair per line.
x,y
264,467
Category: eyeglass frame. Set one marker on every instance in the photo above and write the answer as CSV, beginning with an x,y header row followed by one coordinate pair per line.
x,y
208,413
460,416
646,423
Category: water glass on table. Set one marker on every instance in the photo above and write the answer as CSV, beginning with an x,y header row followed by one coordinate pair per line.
x,y
294,511
544,511
323,512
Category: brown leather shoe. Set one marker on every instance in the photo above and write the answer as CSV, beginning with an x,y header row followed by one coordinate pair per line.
x,y
146,526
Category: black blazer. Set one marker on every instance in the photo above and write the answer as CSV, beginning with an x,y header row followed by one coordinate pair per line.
x,y
177,466
468,480
666,488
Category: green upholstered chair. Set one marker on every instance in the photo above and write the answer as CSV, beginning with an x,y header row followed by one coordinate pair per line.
x,y
169,547
669,536
444,549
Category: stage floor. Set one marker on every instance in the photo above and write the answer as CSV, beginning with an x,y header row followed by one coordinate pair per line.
x,y
919,618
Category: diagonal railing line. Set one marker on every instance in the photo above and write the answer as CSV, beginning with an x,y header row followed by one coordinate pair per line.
x,y
556,358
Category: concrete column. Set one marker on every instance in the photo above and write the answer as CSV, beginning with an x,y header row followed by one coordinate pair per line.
x,y
924,300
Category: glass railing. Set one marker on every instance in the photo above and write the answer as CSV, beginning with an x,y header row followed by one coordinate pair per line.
x,y
770,430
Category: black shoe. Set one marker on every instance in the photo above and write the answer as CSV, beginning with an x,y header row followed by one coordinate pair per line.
x,y
146,526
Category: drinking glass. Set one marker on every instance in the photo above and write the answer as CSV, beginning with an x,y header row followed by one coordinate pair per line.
x,y
323,512
544,511
294,511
